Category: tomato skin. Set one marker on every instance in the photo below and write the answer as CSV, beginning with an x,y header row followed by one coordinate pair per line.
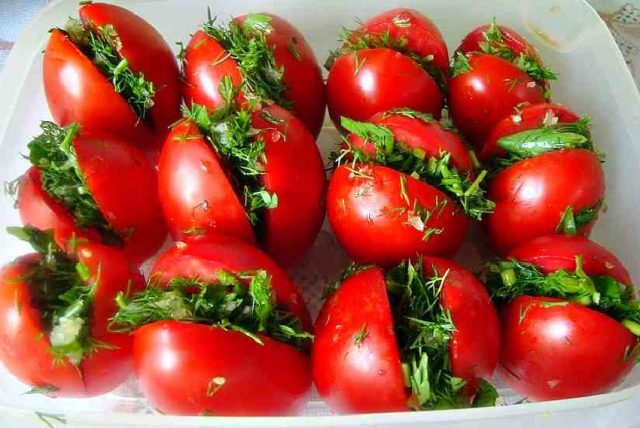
x,y
369,216
472,355
421,34
293,170
204,257
269,379
562,350
25,346
529,117
479,98
555,252
376,80
532,195
192,181
302,75
429,137
513,41
147,52
132,208
345,370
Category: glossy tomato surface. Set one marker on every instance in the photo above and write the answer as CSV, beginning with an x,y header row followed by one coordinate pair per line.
x,y
146,52
379,216
194,369
132,207
532,195
24,343
554,252
302,75
369,81
204,258
554,349
512,40
420,34
355,352
529,117
487,93
198,196
474,349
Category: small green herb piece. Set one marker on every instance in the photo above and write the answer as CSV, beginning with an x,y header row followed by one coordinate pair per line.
x,y
51,419
214,385
460,64
570,223
508,279
54,155
44,390
465,188
362,334
423,331
243,302
63,296
102,45
247,44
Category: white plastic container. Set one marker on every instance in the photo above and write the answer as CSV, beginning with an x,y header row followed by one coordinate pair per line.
x,y
594,81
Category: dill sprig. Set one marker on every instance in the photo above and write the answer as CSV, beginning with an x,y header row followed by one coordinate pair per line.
x,y
230,132
52,152
508,279
61,291
413,161
226,303
102,45
423,330
354,41
572,221
247,45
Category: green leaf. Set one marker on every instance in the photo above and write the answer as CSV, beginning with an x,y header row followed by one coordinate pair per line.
x,y
486,396
258,22
460,64
51,419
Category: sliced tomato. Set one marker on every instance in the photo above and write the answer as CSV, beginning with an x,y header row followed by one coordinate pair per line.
x,y
532,195
554,349
25,348
203,258
370,81
345,368
383,216
486,93
220,372
420,35
523,119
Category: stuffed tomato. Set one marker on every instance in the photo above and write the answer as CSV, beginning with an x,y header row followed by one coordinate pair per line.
x,y
397,59
265,56
570,318
55,307
404,186
112,72
414,340
255,174
234,324
70,189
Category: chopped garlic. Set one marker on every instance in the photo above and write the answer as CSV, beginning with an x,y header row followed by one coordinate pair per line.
x,y
516,118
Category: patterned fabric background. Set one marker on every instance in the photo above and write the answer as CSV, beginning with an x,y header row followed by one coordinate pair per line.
x,y
622,18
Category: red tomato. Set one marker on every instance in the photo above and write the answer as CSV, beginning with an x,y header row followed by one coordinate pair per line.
x,y
532,195
555,252
370,81
203,259
376,215
554,349
511,39
420,34
132,207
206,63
24,342
220,372
528,117
208,203
77,91
347,366
488,92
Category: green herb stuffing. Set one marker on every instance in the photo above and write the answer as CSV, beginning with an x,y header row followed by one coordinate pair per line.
x,y
412,161
63,291
508,279
423,330
226,303
103,46
53,153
